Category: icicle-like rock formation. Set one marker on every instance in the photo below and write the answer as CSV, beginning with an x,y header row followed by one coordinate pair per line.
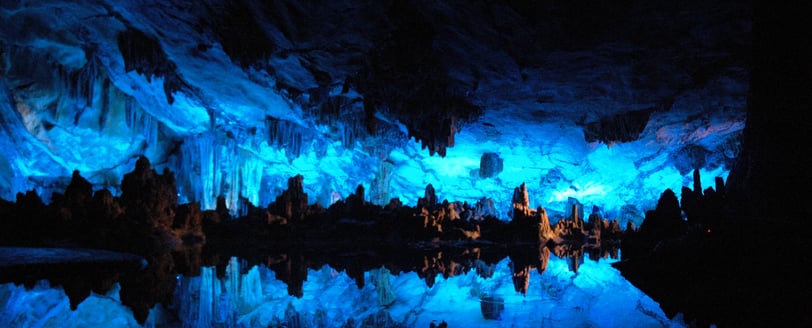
x,y
237,97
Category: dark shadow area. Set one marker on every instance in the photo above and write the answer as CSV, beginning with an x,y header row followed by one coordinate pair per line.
x,y
741,257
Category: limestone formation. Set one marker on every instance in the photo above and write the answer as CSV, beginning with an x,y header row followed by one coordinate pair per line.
x,y
490,165
292,203
149,197
429,199
521,201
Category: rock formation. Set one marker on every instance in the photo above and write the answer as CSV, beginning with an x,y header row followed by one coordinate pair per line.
x,y
490,165
292,203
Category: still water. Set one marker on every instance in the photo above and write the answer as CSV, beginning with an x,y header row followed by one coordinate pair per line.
x,y
462,288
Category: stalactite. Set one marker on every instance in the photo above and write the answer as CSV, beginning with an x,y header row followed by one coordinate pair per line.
x,y
105,104
150,126
251,170
77,90
195,162
145,55
286,135
89,75
129,111
623,127
351,131
212,165
225,183
346,116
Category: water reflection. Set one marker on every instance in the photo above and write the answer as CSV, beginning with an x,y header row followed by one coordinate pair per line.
x,y
414,287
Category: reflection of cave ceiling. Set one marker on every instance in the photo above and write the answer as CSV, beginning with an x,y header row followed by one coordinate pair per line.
x,y
620,98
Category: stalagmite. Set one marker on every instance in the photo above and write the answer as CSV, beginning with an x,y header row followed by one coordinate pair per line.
x,y
521,201
429,199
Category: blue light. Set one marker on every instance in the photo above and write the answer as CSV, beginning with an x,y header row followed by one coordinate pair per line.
x,y
595,296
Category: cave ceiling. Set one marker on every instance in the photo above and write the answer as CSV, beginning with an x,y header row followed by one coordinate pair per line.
x,y
215,89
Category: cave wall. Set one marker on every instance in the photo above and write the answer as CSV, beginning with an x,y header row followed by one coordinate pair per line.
x,y
608,103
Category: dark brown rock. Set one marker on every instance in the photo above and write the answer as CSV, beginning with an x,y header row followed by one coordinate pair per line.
x,y
429,199
292,203
149,197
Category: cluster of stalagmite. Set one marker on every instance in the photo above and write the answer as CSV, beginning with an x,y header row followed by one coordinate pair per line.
x,y
147,217
147,220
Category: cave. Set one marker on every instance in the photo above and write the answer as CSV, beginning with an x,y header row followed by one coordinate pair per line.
x,y
404,163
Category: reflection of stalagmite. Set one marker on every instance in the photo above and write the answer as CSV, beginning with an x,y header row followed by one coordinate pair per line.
x,y
521,278
232,284
576,219
383,286
250,289
292,317
206,297
575,261
544,258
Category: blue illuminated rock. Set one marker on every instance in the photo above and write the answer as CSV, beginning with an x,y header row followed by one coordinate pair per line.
x,y
490,165
236,97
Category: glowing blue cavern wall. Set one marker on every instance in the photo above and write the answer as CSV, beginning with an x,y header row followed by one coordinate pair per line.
x,y
94,90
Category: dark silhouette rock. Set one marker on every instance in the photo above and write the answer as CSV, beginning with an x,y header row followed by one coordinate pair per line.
x,y
79,191
104,208
222,209
188,222
691,205
357,201
429,199
666,220
292,203
149,197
